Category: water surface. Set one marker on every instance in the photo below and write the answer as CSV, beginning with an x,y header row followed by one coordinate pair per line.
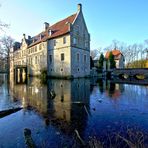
x,y
95,108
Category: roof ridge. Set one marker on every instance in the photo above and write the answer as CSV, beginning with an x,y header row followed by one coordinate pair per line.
x,y
63,20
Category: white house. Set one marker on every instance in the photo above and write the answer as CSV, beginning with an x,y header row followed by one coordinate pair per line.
x,y
118,57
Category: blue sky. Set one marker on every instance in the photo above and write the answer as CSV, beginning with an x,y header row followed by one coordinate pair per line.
x,y
124,20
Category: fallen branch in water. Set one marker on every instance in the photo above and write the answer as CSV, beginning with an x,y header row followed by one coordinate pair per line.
x,y
129,143
78,102
81,140
9,111
86,110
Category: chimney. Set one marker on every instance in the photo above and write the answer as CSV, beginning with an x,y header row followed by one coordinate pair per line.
x,y
24,36
79,7
29,37
46,25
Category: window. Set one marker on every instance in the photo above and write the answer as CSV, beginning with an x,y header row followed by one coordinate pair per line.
x,y
74,41
31,61
64,40
77,29
86,44
50,59
54,42
85,58
40,58
40,46
62,57
78,57
35,48
36,58
31,50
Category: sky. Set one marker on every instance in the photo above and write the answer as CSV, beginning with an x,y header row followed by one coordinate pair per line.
x,y
107,20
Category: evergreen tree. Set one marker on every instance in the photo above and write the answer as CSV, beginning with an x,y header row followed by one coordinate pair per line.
x,y
91,63
101,61
112,61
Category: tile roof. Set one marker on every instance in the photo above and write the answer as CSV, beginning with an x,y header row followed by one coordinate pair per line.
x,y
115,52
58,29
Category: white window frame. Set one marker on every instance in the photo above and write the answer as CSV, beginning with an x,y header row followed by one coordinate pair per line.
x,y
54,42
64,40
74,40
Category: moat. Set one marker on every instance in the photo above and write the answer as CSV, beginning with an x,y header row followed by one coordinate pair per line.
x,y
99,110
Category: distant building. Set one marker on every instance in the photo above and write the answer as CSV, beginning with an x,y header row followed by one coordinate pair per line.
x,y
63,49
118,57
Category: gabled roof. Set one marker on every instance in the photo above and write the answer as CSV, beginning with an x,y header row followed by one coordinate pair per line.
x,y
58,29
62,27
115,52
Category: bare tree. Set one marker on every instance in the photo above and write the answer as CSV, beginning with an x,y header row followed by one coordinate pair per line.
x,y
132,53
3,25
6,43
115,44
146,48
95,53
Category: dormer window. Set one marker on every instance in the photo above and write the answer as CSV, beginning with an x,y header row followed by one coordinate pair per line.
x,y
50,32
41,36
34,40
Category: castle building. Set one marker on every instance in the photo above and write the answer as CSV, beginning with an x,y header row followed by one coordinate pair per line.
x,y
63,49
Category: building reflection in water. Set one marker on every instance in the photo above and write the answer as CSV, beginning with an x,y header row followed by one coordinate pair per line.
x,y
20,76
113,90
69,107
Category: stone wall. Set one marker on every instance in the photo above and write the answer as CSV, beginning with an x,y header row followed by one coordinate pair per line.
x,y
56,67
80,47
80,68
